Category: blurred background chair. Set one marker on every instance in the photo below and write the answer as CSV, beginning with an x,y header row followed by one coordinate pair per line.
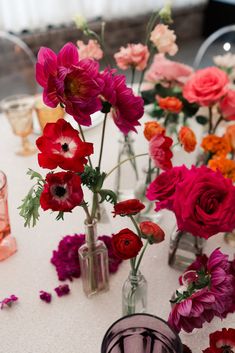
x,y
218,43
19,76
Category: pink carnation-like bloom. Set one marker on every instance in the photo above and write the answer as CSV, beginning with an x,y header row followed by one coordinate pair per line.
x,y
74,83
171,71
227,105
126,108
206,86
204,203
134,55
164,39
162,189
214,299
160,152
90,50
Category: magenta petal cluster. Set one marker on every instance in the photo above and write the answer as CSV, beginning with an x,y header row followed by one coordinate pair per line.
x,y
127,108
215,299
66,261
62,290
8,301
45,296
74,83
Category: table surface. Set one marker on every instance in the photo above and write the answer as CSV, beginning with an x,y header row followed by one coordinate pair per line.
x,y
73,323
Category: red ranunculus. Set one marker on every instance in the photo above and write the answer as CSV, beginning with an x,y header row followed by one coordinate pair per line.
x,y
126,244
61,146
160,152
152,232
62,192
128,207
204,203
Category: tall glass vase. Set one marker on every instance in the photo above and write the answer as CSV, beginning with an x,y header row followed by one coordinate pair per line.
x,y
93,258
183,249
127,173
134,294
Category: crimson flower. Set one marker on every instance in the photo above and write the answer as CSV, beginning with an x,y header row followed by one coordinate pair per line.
x,y
222,341
126,244
61,146
62,192
126,108
128,207
66,79
152,232
160,152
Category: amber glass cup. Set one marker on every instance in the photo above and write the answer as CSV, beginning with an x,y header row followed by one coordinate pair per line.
x,y
46,114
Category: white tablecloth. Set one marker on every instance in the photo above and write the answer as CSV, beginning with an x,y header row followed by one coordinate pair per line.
x,y
75,324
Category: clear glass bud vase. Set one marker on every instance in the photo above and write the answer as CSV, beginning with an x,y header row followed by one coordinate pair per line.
x,y
183,249
93,258
134,294
127,173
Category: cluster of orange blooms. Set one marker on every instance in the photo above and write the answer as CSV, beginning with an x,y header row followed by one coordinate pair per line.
x,y
171,104
216,146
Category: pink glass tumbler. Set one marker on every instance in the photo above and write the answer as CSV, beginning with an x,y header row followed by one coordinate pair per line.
x,y
7,242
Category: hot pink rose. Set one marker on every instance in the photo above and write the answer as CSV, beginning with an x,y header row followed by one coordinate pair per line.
x,y
206,86
163,69
160,152
90,50
227,105
204,203
134,55
164,39
162,189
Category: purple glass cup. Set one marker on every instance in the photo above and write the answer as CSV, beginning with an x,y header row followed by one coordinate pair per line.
x,y
141,333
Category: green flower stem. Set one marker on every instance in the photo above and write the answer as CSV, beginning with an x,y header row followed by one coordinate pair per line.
x,y
140,257
102,139
84,140
124,161
132,75
135,225
95,205
210,127
84,206
217,124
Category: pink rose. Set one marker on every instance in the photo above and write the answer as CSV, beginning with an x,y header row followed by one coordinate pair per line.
x,y
152,232
204,203
160,152
164,39
134,55
206,86
162,189
227,105
163,69
90,50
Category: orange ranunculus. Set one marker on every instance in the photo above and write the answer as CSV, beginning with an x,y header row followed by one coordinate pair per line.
x,y
230,135
217,146
225,166
152,128
172,104
187,138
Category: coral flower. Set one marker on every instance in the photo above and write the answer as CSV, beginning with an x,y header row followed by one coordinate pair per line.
x,y
171,104
225,166
170,71
230,136
66,79
152,128
216,146
187,139
126,108
152,232
61,146
62,192
134,56
164,39
90,50
160,152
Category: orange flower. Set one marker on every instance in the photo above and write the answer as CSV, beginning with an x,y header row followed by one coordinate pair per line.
x,y
230,135
225,166
152,128
187,138
217,146
172,104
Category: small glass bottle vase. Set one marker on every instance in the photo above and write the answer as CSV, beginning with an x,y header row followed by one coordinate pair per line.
x,y
183,249
127,172
134,294
93,258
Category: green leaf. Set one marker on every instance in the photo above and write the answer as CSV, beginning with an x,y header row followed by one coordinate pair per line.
x,y
203,120
93,178
60,216
34,175
108,195
148,96
29,209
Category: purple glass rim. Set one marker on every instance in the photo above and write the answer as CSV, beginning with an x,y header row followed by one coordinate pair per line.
x,y
142,314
